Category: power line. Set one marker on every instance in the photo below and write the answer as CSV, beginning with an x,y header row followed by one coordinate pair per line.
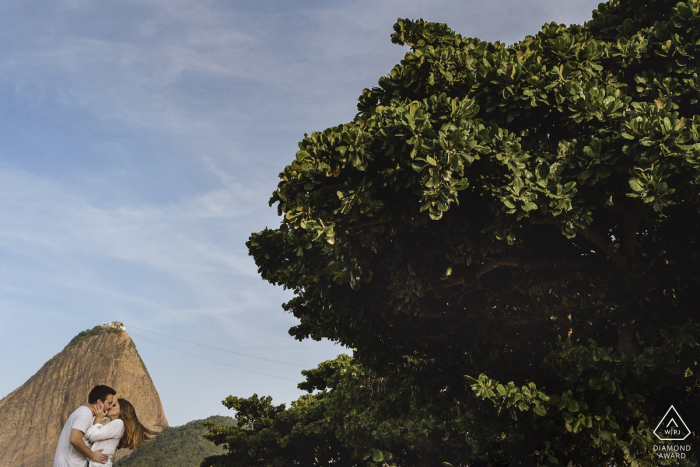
x,y
216,348
214,361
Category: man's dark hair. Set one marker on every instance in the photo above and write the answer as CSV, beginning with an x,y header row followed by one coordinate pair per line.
x,y
100,392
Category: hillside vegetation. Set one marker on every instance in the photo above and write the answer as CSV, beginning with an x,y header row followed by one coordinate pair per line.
x,y
181,446
88,333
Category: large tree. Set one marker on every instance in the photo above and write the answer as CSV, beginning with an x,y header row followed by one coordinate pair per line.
x,y
523,213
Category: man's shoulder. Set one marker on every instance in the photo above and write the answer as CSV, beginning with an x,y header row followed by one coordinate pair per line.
x,y
82,410
81,418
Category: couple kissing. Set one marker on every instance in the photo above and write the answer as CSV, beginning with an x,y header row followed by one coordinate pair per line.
x,y
85,442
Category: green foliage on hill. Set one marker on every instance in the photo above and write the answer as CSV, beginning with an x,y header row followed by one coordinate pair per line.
x,y
181,446
88,333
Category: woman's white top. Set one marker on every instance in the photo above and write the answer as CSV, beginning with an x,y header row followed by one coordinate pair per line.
x,y
105,437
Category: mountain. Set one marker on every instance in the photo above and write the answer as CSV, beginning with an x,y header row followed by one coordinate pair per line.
x,y
33,415
181,446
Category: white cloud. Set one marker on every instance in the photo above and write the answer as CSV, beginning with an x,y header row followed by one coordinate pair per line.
x,y
47,225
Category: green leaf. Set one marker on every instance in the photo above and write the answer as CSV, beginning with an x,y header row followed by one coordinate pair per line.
x,y
517,185
529,206
635,185
585,174
540,410
577,424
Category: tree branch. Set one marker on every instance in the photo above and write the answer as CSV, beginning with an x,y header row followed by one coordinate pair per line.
x,y
607,246
549,219
489,265
492,264
617,258
447,283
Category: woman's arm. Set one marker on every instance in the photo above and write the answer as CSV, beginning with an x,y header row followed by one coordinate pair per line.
x,y
114,429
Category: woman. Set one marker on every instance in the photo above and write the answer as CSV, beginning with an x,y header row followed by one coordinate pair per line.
x,y
123,431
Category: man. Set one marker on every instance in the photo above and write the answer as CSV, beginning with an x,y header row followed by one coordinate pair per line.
x,y
72,450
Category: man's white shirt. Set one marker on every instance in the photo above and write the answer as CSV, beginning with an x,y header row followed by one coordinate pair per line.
x,y
66,454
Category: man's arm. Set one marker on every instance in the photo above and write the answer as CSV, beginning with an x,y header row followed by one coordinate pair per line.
x,y
76,439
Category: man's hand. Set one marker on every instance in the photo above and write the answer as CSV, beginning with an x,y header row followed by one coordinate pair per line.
x,y
98,457
76,439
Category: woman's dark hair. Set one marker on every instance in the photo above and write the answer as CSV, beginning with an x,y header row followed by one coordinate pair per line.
x,y
134,432
100,392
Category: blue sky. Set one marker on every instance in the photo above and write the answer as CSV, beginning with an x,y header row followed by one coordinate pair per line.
x,y
139,144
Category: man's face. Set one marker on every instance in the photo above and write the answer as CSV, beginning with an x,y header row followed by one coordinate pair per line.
x,y
109,400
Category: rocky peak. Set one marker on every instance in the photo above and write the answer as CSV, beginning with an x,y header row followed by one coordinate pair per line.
x,y
33,415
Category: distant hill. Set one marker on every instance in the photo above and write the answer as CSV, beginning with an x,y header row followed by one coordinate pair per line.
x,y
33,415
180,446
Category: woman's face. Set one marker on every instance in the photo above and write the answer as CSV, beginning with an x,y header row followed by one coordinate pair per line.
x,y
114,411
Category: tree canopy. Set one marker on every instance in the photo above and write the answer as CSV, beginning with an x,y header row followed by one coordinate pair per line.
x,y
523,215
